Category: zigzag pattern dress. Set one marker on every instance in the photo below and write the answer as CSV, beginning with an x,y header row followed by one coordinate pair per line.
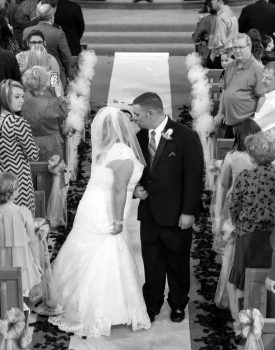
x,y
16,149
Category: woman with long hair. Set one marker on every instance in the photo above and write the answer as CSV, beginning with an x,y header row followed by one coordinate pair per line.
x,y
95,273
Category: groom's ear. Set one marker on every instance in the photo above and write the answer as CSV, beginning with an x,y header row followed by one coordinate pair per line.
x,y
149,113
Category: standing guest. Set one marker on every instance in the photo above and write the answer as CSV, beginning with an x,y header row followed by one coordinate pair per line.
x,y
56,42
257,48
7,40
69,17
268,44
265,114
252,210
34,40
16,142
242,86
259,16
170,190
44,112
19,246
225,30
20,14
9,68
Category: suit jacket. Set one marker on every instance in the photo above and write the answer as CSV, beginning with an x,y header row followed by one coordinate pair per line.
x,y
70,18
260,15
9,68
56,44
175,180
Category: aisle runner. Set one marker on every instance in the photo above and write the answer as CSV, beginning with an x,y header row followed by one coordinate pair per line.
x,y
136,73
133,74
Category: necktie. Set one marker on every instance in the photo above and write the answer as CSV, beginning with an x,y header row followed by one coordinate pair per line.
x,y
152,146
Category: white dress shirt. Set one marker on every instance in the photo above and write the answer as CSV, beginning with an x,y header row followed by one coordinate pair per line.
x,y
158,131
266,115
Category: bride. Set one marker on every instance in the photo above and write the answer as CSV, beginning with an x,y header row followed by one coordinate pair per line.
x,y
95,274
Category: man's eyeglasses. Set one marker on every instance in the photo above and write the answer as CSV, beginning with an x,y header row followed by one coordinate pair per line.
x,y
239,47
40,42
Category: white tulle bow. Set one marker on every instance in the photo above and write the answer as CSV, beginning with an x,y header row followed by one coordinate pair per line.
x,y
252,323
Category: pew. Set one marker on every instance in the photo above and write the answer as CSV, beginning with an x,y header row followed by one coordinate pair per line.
x,y
42,180
213,76
256,296
11,289
222,147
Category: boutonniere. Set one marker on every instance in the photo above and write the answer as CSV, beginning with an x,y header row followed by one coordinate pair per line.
x,y
168,134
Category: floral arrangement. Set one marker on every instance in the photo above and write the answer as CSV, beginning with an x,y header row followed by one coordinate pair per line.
x,y
167,134
252,323
12,331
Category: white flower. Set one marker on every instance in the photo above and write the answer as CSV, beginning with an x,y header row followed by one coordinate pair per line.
x,y
167,134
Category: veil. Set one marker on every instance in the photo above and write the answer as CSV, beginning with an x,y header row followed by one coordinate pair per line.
x,y
110,126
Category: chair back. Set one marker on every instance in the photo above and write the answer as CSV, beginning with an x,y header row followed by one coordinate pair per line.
x,y
222,147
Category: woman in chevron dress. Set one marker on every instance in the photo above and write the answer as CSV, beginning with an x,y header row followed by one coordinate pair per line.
x,y
16,142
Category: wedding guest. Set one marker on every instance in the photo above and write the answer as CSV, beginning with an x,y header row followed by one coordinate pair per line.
x,y
252,210
234,163
265,113
9,68
19,246
257,48
44,112
242,86
20,14
40,57
268,44
7,40
16,142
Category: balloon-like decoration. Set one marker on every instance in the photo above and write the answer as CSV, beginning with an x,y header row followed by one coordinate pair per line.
x,y
252,322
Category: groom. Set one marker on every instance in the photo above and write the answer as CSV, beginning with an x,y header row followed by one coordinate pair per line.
x,y
170,192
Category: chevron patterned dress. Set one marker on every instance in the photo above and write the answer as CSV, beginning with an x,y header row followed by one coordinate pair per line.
x,y
16,149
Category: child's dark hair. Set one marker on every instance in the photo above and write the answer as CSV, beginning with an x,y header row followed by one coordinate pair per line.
x,y
266,39
241,131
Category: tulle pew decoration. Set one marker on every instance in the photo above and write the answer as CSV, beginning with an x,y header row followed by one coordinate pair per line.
x,y
252,322
12,331
78,96
56,209
201,106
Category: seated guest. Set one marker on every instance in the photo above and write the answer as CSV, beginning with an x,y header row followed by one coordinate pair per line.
x,y
265,114
16,142
252,210
268,44
9,68
226,58
7,40
44,112
235,162
19,246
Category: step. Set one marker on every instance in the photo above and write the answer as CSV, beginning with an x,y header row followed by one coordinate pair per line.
x,y
140,27
137,37
157,4
173,49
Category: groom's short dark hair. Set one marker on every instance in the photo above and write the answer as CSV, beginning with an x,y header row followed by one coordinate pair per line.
x,y
149,99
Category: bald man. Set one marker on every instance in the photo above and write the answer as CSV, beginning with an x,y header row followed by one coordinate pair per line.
x,y
56,42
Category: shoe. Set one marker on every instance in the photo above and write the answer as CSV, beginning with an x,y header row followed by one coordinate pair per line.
x,y
152,315
177,315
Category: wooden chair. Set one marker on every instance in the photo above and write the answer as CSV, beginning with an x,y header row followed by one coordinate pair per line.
x,y
214,76
42,179
256,296
222,147
11,289
40,210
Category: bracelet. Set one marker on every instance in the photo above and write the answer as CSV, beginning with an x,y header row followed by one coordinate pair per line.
x,y
118,222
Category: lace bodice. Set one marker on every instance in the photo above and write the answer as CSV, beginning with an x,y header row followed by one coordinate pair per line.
x,y
102,175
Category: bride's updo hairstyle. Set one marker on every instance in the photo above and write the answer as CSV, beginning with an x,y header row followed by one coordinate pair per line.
x,y
111,126
8,184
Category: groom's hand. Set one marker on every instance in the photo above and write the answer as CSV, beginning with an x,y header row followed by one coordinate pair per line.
x,y
140,192
186,221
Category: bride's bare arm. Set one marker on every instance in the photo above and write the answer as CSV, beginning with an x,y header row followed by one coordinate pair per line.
x,y
122,170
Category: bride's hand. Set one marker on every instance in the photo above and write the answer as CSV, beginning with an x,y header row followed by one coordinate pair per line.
x,y
118,227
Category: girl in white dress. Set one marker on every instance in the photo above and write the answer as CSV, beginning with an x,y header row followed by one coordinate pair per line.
x,y
96,277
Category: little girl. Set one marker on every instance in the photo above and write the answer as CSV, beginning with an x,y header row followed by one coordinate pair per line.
x,y
18,243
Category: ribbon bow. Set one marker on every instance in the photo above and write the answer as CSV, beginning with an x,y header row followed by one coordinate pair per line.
x,y
252,323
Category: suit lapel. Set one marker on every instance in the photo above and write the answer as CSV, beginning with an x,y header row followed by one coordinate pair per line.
x,y
161,145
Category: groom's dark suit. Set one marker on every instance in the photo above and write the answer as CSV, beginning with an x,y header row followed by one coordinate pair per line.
x,y
174,184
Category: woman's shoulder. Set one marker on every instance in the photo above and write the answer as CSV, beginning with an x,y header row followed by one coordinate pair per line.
x,y
120,150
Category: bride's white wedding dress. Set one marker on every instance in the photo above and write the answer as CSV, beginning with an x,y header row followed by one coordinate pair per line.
x,y
96,276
